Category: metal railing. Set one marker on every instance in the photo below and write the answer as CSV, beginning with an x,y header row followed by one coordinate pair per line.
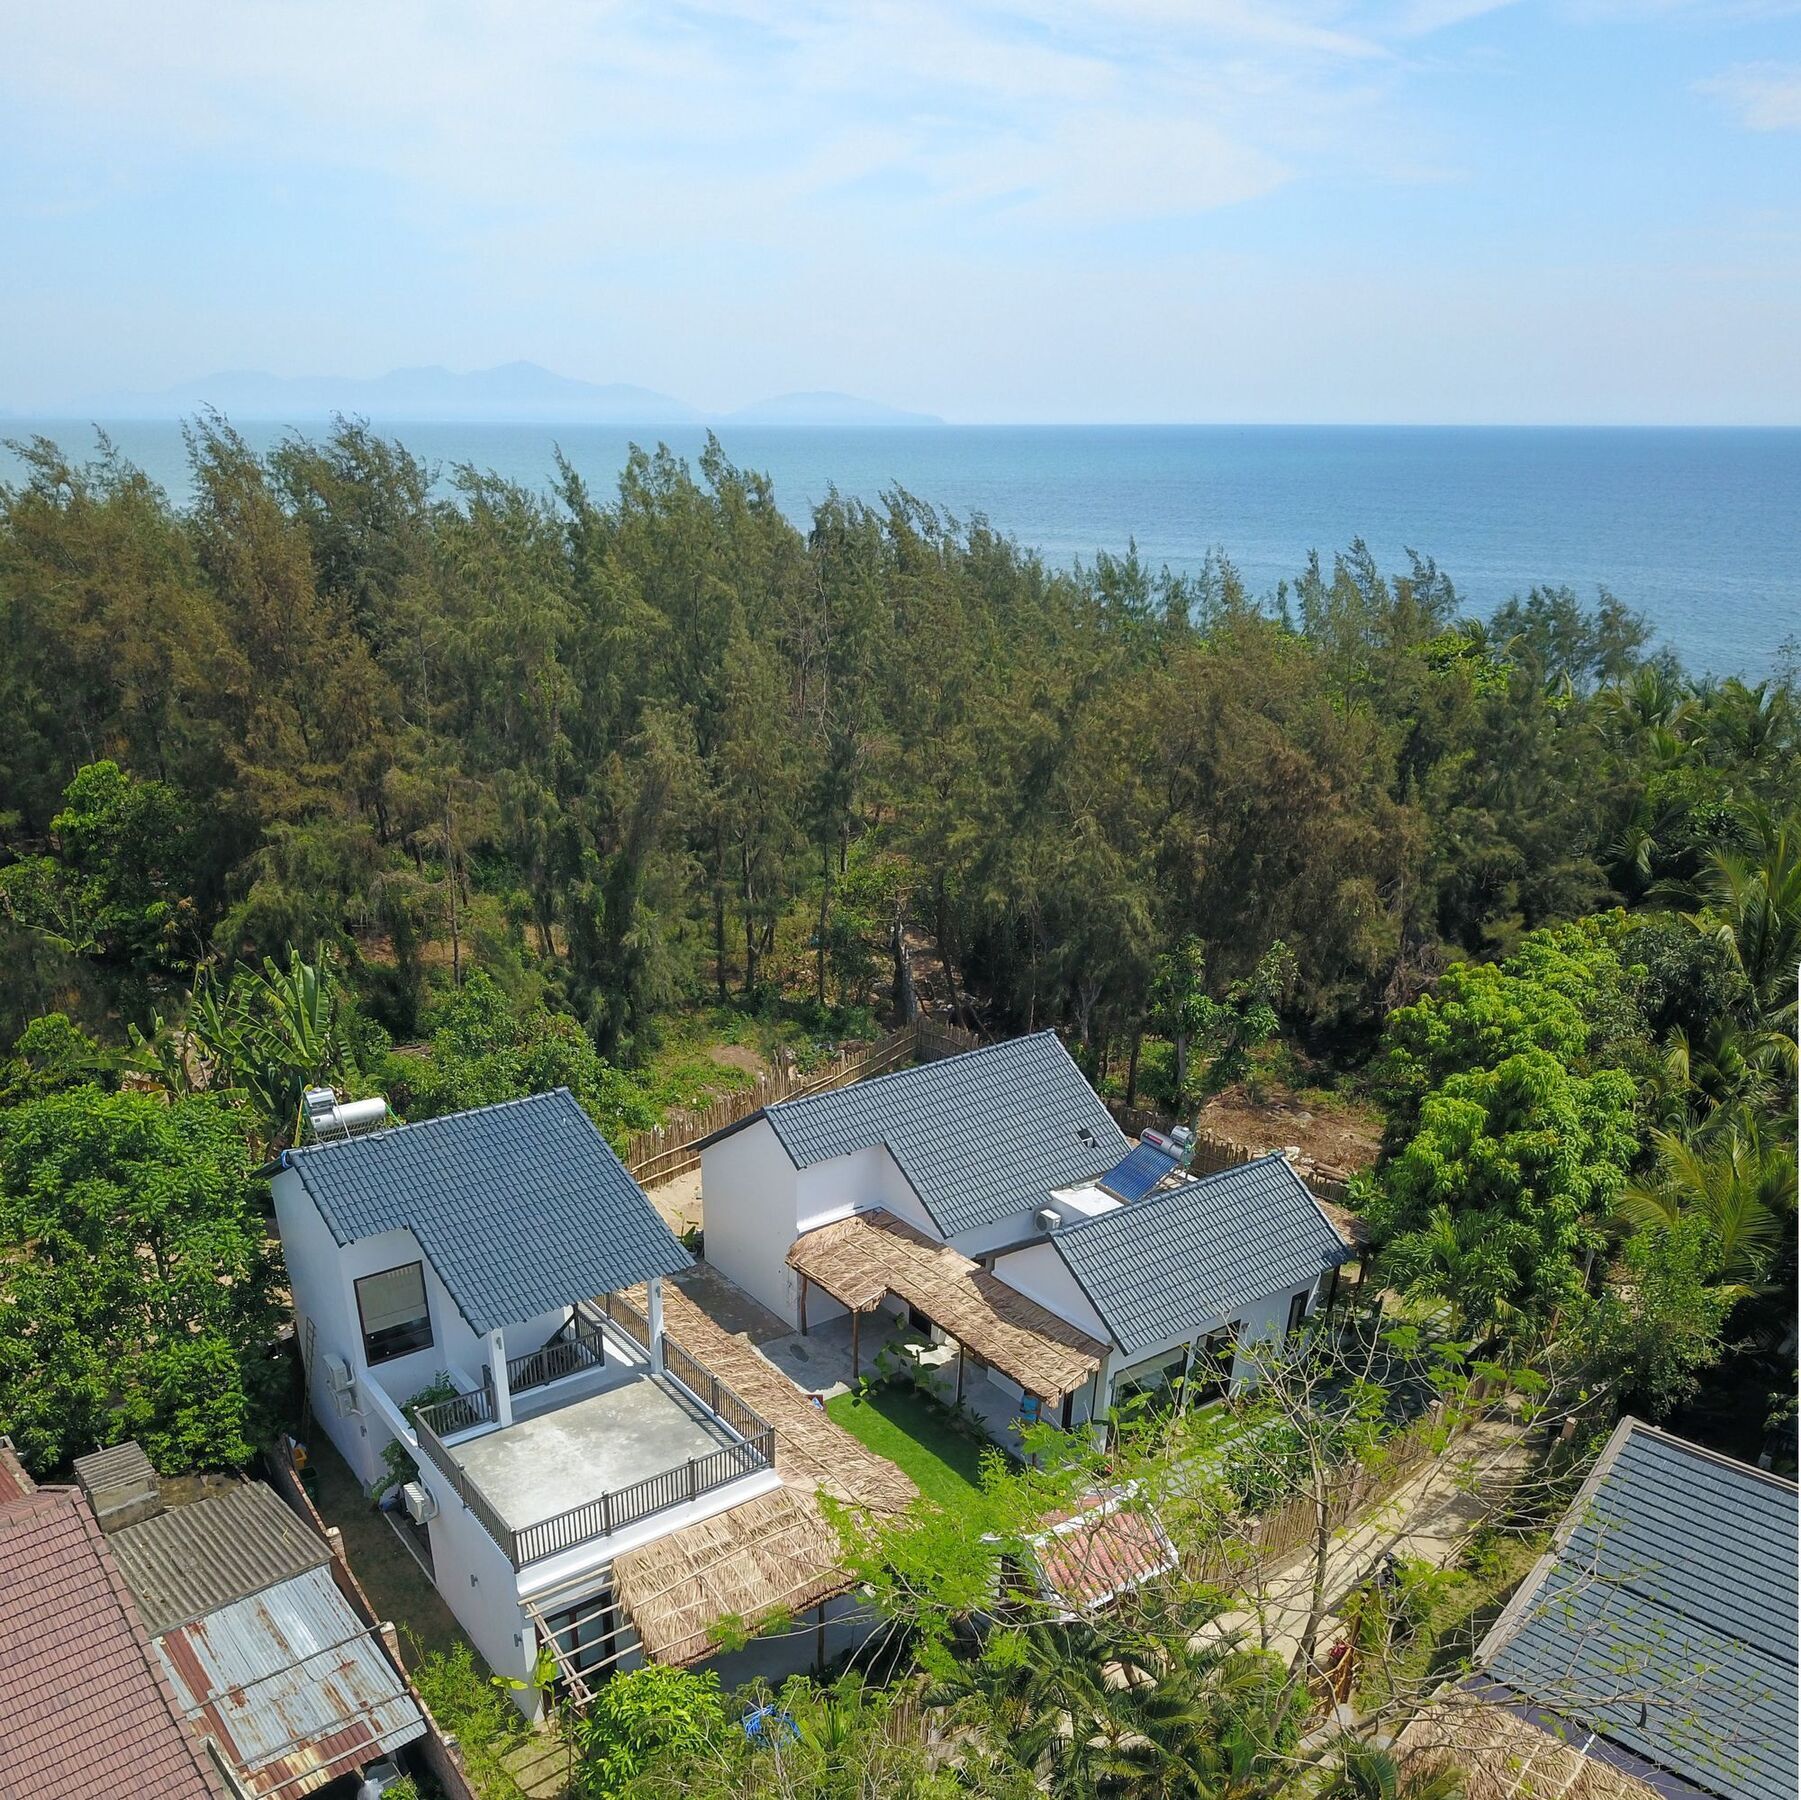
x,y
462,1412
626,1506
613,1511
700,1381
582,1347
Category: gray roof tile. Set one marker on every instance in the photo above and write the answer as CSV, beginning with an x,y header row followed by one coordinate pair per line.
x,y
1666,1618
522,1207
979,1136
1159,1270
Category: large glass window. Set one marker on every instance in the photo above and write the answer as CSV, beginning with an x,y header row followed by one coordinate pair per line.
x,y
395,1318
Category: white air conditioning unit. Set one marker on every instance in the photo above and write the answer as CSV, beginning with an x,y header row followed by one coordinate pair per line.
x,y
340,1383
421,1508
1047,1218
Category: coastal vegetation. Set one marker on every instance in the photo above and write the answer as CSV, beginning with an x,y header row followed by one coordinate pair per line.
x,y
425,783
422,783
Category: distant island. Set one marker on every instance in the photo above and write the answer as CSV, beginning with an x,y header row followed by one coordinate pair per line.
x,y
515,392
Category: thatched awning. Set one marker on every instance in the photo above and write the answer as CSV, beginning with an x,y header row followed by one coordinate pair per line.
x,y
773,1555
861,1259
1505,1757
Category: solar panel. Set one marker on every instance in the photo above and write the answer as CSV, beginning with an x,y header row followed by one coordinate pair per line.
x,y
1139,1172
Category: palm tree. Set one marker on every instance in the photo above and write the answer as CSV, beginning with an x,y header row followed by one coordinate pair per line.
x,y
1751,905
1738,1186
1365,1772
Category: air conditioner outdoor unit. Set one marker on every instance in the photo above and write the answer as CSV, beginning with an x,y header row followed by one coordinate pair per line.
x,y
1047,1218
341,1383
421,1508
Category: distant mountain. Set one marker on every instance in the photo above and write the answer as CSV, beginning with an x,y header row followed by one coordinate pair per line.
x,y
825,409
515,393
520,392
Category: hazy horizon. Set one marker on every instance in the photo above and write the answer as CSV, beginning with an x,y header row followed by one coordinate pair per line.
x,y
1136,212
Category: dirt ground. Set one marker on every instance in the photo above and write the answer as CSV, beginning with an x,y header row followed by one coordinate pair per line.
x,y
1341,1137
678,1200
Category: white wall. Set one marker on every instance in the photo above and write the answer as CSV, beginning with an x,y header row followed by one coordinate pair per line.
x,y
322,1276
1041,1274
1260,1321
749,1209
477,1581
755,1203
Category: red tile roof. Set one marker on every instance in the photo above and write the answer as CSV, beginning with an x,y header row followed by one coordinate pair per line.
x,y
84,1708
15,1483
1095,1553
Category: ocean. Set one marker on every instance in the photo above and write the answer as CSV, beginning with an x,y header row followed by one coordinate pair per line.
x,y
1700,530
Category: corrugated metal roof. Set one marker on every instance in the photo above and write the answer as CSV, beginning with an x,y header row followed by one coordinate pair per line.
x,y
85,1708
290,1685
522,1207
122,1466
978,1136
1158,1271
1665,1617
191,1559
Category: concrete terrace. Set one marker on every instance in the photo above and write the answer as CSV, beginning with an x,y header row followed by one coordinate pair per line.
x,y
566,1455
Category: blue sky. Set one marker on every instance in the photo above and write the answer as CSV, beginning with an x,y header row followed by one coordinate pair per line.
x,y
1437,210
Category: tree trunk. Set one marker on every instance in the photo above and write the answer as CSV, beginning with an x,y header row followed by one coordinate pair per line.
x,y
1132,1066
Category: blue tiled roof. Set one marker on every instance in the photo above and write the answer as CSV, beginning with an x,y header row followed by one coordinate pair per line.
x,y
979,1136
1159,1270
1665,1619
521,1207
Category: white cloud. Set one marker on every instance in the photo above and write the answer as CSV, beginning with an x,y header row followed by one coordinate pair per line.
x,y
1764,96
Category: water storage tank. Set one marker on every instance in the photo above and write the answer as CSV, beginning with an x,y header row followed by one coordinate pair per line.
x,y
329,1117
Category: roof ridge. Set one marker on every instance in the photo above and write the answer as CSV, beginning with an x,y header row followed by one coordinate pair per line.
x,y
412,1125
1634,1425
923,1068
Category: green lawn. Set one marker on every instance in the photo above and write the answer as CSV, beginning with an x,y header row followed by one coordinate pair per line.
x,y
912,1430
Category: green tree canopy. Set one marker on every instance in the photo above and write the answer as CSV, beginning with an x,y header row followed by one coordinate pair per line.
x,y
136,1283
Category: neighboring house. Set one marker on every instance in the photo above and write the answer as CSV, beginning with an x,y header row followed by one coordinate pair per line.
x,y
1657,1636
991,1197
488,1249
85,1705
266,1659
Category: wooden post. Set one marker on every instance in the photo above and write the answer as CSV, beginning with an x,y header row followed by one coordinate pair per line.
x,y
819,1649
856,1345
803,1306
962,1355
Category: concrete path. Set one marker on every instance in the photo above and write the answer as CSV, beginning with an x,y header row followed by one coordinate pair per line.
x,y
1427,1519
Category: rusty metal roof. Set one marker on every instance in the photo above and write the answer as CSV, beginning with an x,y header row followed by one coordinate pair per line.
x,y
290,1685
192,1559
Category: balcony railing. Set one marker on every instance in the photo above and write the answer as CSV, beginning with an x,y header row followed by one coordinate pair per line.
x,y
580,1345
622,1507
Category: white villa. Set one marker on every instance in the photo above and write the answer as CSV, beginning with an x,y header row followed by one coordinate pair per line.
x,y
492,1247
990,1201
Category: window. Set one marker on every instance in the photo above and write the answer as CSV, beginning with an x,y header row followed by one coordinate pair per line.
x,y
395,1319
1297,1311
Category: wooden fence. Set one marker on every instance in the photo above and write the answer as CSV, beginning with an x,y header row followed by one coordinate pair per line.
x,y
1279,1534
671,1148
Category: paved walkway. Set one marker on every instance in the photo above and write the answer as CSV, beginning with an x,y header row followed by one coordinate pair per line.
x,y
1427,1519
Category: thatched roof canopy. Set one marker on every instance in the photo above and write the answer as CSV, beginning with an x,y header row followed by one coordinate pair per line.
x,y
1505,1757
772,1555
860,1259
